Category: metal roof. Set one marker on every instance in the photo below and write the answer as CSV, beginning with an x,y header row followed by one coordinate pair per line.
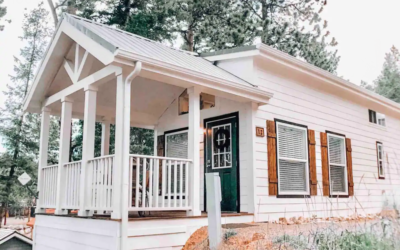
x,y
229,51
6,233
114,39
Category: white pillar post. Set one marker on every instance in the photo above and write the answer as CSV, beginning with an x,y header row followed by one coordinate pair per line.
x,y
194,150
251,109
125,164
89,124
43,152
214,198
65,135
119,136
105,138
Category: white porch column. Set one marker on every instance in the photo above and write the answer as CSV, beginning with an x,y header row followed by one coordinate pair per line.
x,y
43,152
194,150
251,109
65,134
117,171
105,138
89,124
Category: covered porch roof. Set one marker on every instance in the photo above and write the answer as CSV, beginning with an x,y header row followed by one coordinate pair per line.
x,y
84,53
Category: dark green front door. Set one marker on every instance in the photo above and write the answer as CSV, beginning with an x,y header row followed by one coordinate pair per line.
x,y
221,157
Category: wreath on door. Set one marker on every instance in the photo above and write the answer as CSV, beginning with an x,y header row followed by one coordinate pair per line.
x,y
222,144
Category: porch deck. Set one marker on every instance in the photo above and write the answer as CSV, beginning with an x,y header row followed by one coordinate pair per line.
x,y
154,215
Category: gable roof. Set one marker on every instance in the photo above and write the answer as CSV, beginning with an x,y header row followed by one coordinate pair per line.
x,y
7,234
115,39
110,45
292,63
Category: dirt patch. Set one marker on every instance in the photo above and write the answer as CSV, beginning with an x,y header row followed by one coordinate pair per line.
x,y
262,235
198,240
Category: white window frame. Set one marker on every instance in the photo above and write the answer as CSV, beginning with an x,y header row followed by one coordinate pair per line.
x,y
180,193
377,115
307,165
344,165
170,134
380,145
212,146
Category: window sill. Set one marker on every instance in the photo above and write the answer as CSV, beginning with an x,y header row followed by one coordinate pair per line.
x,y
339,196
374,125
287,196
381,177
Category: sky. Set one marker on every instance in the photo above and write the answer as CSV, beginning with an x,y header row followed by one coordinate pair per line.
x,y
365,30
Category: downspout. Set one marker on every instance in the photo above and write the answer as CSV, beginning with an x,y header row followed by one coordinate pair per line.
x,y
125,162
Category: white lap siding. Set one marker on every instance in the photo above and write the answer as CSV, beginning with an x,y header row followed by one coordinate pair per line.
x,y
321,111
170,120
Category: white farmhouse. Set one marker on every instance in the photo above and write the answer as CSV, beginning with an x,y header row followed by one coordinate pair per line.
x,y
287,139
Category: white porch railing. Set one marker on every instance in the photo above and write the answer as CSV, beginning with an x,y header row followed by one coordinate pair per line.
x,y
159,183
48,187
100,171
72,173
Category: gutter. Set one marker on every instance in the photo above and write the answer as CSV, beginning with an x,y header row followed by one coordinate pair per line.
x,y
313,71
125,160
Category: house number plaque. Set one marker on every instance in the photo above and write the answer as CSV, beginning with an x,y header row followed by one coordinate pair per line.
x,y
260,132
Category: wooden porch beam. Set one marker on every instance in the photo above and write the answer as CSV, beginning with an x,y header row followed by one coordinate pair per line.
x,y
68,69
96,79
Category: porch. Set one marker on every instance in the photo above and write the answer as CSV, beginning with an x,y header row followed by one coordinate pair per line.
x,y
100,185
120,183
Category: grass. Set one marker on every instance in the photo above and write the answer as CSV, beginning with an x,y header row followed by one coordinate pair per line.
x,y
383,234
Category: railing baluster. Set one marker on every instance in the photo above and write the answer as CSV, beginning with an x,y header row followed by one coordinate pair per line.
x,y
169,183
130,180
186,184
102,193
181,184
157,182
109,184
137,182
151,184
163,182
175,182
144,182
54,186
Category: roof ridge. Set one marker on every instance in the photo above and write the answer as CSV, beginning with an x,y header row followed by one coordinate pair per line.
x,y
129,34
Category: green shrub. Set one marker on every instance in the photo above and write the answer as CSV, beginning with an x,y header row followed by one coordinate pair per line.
x,y
229,233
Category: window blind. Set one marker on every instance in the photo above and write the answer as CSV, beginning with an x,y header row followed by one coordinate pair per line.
x,y
337,164
292,159
177,147
380,153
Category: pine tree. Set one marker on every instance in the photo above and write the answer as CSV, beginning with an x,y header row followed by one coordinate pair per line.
x,y
83,7
292,26
388,82
3,12
20,132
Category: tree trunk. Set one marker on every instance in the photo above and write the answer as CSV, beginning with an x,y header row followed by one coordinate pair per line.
x,y
53,12
127,11
190,40
71,7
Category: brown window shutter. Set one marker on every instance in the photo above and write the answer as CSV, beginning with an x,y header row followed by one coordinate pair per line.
x,y
160,145
325,164
312,162
272,175
349,167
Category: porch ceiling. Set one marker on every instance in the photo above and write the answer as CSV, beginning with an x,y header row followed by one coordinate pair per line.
x,y
150,99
